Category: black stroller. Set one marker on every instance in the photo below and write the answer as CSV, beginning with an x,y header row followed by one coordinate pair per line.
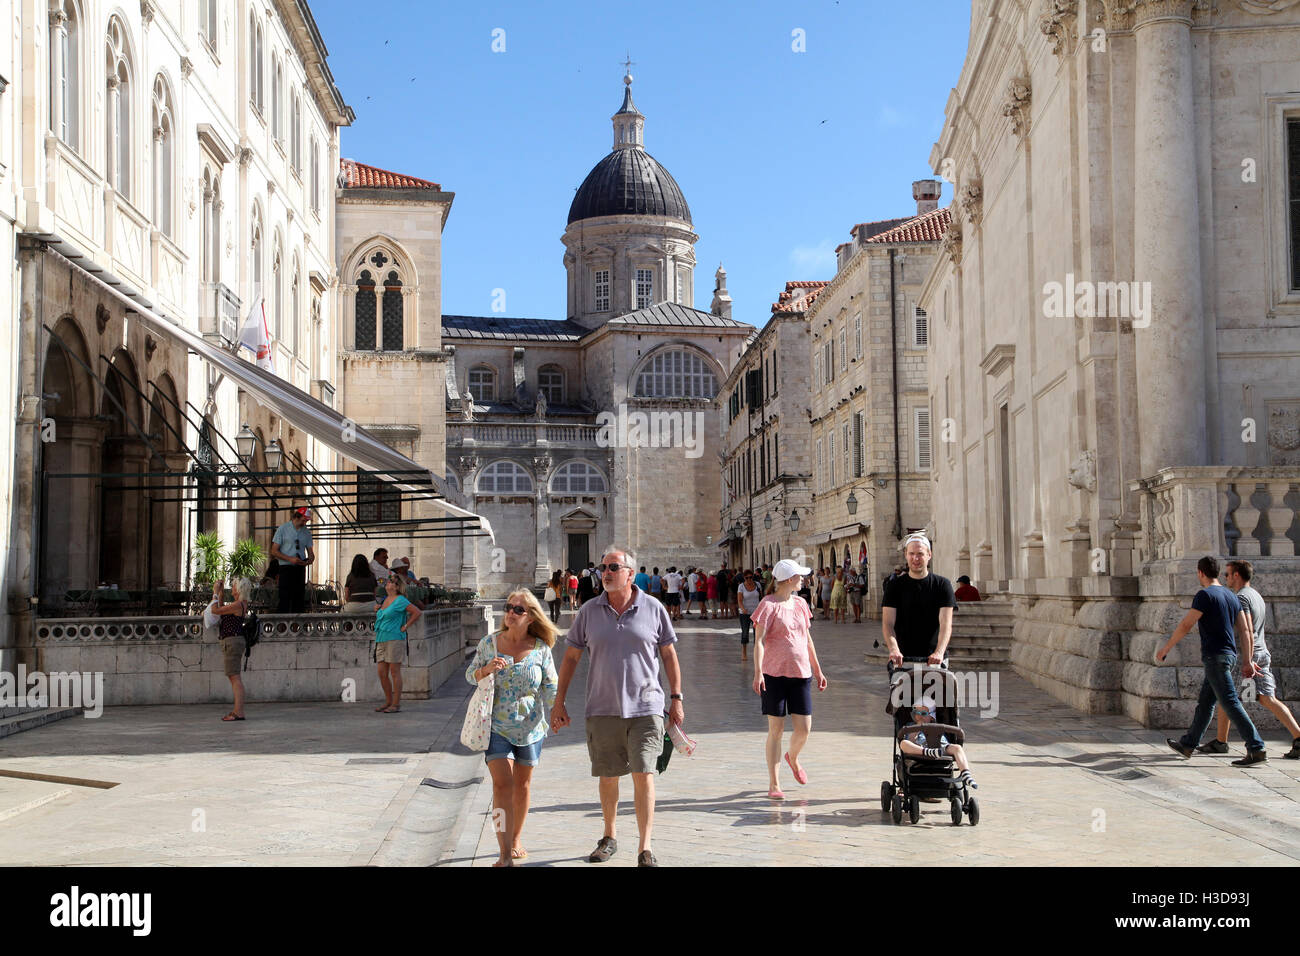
x,y
918,778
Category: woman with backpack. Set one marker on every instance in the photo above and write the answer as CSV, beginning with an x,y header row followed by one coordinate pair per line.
x,y
232,637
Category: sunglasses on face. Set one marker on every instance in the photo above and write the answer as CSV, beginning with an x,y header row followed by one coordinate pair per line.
x,y
516,608
613,568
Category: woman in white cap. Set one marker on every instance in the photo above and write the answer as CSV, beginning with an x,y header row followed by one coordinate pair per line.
x,y
785,664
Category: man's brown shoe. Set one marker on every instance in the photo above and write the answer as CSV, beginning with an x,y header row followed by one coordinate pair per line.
x,y
1253,757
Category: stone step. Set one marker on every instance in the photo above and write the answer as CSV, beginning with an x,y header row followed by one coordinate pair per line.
x,y
966,629
31,719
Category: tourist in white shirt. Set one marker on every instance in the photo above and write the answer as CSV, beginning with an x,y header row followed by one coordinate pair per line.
x,y
673,593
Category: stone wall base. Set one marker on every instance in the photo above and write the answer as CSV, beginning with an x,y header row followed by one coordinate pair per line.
x,y
1097,652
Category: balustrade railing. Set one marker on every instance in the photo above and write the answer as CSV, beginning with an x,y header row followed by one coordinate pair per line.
x,y
520,433
1236,511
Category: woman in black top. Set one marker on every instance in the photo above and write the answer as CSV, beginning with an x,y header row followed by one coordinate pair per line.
x,y
360,587
232,637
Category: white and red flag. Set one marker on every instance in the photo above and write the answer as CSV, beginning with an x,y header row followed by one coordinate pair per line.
x,y
256,334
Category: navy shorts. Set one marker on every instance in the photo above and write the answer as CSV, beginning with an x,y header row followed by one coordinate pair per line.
x,y
787,694
673,599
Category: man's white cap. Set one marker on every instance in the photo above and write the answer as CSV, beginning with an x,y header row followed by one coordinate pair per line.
x,y
786,569
919,537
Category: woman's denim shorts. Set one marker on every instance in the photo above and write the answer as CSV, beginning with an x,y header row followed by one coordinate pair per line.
x,y
499,749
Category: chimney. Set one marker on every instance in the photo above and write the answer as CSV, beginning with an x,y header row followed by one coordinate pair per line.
x,y
721,305
926,192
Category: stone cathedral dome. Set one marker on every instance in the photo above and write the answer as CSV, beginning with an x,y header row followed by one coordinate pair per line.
x,y
629,181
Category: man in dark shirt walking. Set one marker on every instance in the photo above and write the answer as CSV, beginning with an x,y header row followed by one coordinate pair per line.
x,y
1217,613
916,611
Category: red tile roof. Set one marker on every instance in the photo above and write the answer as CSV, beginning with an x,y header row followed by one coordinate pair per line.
x,y
360,176
865,230
788,301
929,227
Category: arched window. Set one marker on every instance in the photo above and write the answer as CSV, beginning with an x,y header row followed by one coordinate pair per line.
x,y
295,299
392,313
295,134
256,69
277,98
676,373
277,290
483,384
255,254
118,112
163,137
65,72
550,382
208,22
365,330
504,478
578,478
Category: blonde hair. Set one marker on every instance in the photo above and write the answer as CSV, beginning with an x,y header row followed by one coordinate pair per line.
x,y
399,581
539,622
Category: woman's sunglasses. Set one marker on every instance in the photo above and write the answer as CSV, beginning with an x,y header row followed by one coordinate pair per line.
x,y
517,608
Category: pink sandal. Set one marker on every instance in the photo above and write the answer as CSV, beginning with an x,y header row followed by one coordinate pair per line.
x,y
799,773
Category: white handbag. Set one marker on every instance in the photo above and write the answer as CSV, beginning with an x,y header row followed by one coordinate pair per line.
x,y
211,620
476,730
550,594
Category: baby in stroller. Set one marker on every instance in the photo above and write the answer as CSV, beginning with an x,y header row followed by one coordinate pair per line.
x,y
917,744
927,745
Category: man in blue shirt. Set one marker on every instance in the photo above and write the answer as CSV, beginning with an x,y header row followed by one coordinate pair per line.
x,y
642,581
1217,612
627,635
291,546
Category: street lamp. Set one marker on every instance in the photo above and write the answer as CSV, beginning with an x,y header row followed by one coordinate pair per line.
x,y
794,519
767,521
245,443
274,455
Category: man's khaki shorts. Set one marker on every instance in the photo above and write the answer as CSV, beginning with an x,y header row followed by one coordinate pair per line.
x,y
390,652
619,745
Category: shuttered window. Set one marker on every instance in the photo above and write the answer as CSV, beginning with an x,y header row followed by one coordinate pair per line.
x,y
921,420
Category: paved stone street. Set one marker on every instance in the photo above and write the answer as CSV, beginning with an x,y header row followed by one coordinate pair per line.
x,y
1056,786
315,783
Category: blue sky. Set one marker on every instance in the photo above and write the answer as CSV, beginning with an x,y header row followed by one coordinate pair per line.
x,y
778,152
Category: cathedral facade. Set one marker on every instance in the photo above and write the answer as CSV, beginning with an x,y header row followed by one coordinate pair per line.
x,y
573,434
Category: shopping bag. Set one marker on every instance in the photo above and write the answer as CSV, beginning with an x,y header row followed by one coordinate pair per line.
x,y
211,620
477,728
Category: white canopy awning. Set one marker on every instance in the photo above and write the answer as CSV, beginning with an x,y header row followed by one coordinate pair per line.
x,y
297,407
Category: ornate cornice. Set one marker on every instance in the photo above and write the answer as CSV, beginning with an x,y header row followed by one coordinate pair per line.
x,y
1265,7
1017,104
1058,24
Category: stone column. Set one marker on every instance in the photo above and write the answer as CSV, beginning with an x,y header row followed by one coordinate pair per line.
x,y
542,571
1166,242
111,116
70,552
135,518
58,36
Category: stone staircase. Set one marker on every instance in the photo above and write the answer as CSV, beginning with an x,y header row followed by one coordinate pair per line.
x,y
981,636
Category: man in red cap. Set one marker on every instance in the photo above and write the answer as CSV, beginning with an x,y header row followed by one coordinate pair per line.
x,y
291,546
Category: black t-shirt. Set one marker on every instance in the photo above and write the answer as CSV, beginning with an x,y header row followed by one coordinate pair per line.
x,y
917,601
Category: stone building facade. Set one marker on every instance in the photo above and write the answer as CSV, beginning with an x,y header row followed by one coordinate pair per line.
x,y
177,156
392,367
1116,325
872,430
766,464
570,435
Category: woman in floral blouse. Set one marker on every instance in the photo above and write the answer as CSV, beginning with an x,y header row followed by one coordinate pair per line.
x,y
520,656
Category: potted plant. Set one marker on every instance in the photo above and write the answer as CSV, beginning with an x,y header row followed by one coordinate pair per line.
x,y
246,560
209,558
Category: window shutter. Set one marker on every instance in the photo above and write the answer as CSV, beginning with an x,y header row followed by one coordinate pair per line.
x,y
923,439
921,338
857,444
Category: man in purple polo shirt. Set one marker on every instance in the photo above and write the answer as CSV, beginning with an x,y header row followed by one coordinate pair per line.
x,y
623,629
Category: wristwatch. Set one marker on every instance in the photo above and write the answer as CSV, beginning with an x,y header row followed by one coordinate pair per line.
x,y
675,697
